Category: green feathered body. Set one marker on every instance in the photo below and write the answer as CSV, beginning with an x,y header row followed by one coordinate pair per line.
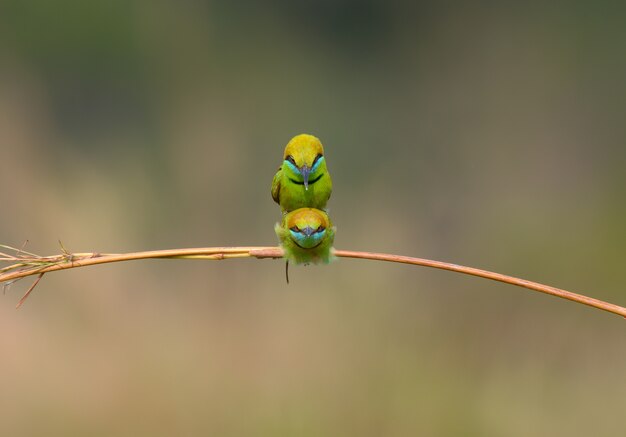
x,y
306,236
302,181
290,194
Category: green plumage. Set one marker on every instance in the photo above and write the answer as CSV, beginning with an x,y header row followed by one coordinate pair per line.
x,y
306,236
302,181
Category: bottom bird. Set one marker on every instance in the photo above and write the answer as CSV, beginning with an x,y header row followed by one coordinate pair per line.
x,y
306,236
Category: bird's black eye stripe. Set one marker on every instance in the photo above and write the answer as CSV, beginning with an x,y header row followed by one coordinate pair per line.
x,y
317,158
290,159
320,228
295,229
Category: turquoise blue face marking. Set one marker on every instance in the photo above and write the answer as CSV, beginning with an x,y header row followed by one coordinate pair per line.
x,y
316,166
295,170
307,242
292,167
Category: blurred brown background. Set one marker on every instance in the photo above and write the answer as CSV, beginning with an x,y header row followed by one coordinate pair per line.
x,y
492,136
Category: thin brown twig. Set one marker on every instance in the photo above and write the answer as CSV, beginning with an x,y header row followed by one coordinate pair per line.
x,y
28,266
558,292
31,288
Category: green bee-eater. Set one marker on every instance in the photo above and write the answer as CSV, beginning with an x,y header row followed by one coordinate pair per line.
x,y
302,181
306,236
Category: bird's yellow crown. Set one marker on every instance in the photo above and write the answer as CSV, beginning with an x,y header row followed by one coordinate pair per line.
x,y
303,149
308,217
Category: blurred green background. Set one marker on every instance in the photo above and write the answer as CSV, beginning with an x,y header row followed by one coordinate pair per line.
x,y
487,135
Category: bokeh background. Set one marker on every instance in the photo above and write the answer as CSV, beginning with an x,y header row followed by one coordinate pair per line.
x,y
487,135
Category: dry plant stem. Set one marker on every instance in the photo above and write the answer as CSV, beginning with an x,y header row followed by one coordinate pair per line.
x,y
564,294
28,266
31,288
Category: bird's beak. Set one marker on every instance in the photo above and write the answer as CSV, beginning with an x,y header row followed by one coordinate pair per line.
x,y
305,170
308,231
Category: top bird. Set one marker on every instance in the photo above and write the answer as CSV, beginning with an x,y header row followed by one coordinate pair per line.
x,y
302,181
